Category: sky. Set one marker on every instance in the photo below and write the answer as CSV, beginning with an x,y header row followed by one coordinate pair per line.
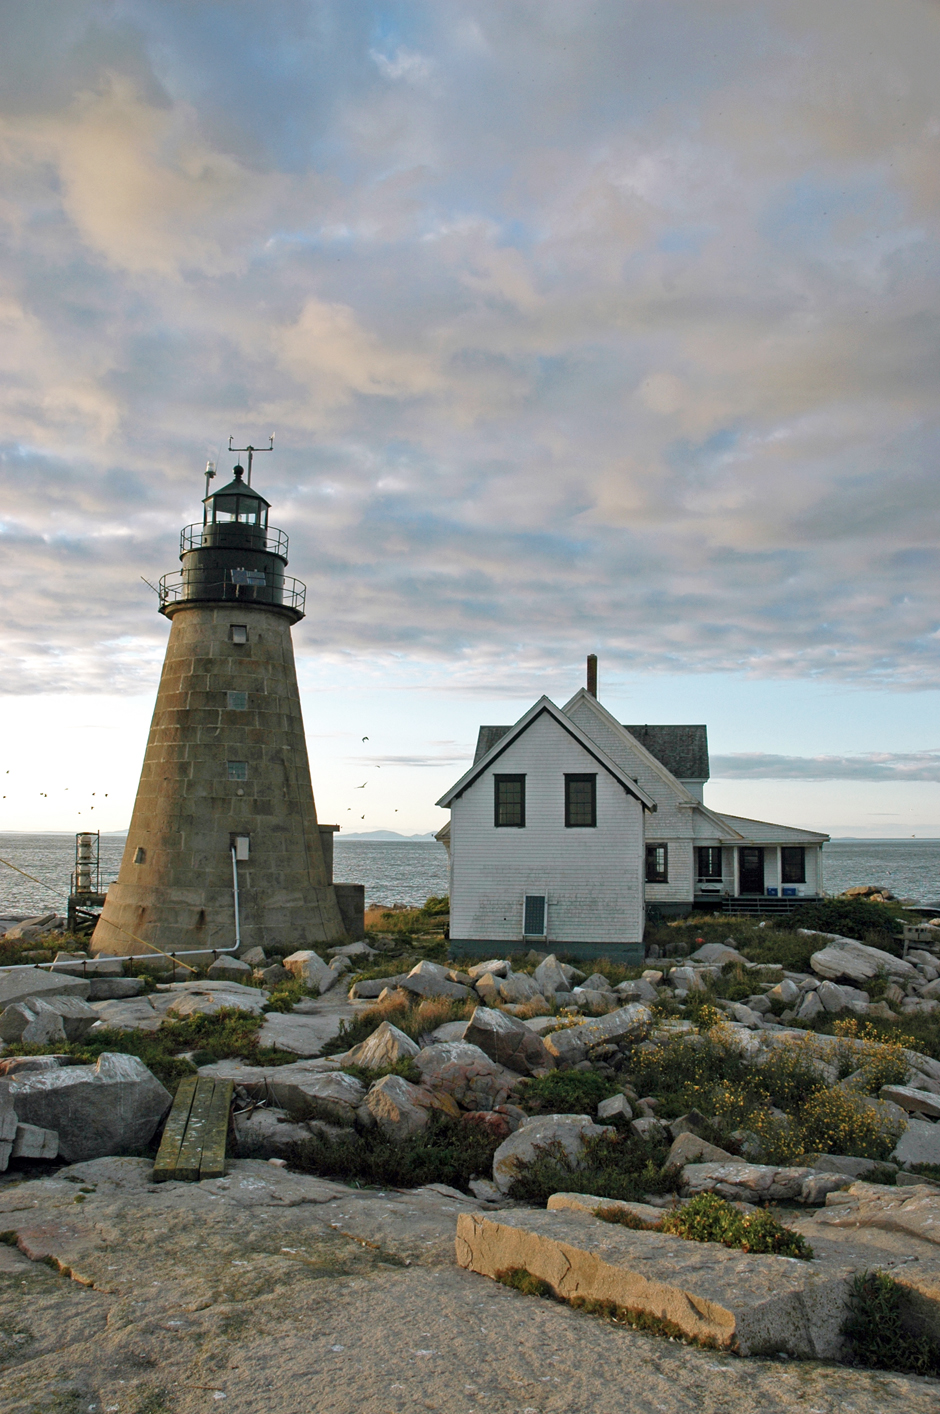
x,y
582,327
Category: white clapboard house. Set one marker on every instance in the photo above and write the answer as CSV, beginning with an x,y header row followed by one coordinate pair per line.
x,y
570,830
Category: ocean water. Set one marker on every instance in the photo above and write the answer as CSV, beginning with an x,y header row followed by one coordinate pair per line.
x,y
409,871
909,868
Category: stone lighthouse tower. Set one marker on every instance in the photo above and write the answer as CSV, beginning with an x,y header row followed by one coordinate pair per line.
x,y
224,840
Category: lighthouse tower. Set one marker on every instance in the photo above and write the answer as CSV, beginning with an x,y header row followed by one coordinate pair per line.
x,y
224,841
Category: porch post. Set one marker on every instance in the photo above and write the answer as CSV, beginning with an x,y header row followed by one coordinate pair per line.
x,y
780,871
737,871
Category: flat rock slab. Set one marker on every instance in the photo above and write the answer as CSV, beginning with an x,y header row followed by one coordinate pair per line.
x,y
130,1014
302,1035
751,1305
271,1293
912,1211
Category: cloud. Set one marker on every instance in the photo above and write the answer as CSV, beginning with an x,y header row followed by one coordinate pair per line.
x,y
607,327
869,766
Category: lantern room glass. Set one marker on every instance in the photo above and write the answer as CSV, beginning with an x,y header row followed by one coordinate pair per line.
x,y
245,510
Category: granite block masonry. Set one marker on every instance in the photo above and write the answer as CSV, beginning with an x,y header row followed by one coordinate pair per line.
x,y
226,764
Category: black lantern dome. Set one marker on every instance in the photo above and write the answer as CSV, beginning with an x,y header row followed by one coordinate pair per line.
x,y
234,556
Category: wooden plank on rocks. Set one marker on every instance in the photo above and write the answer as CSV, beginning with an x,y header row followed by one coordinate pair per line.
x,y
212,1164
190,1155
175,1129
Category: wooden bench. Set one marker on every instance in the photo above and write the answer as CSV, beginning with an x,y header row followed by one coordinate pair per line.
x,y
193,1143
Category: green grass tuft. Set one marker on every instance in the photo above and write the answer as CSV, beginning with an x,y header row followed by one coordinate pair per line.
x,y
708,1218
518,1279
881,1328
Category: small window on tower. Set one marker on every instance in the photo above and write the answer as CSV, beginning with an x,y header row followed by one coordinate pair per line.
x,y
140,855
237,770
238,633
237,701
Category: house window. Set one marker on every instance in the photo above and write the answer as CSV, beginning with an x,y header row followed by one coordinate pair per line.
x,y
709,861
793,863
237,701
509,800
533,916
238,633
580,801
237,770
657,864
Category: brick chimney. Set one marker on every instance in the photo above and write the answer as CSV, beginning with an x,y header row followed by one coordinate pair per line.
x,y
592,674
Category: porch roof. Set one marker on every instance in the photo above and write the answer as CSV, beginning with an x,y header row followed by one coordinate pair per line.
x,y
763,832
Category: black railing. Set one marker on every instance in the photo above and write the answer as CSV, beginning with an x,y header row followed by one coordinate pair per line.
x,y
239,587
200,537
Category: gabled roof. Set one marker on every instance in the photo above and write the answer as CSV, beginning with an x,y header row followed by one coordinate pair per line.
x,y
545,707
763,832
487,738
682,750
583,698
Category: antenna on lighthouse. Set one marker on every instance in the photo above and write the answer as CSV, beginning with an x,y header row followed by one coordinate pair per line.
x,y
251,451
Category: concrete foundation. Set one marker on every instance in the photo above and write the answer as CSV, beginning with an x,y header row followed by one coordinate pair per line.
x,y
215,769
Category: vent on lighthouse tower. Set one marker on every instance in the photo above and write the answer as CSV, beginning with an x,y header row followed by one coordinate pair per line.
x,y
226,758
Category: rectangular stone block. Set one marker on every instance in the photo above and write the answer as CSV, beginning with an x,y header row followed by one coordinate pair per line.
x,y
33,1142
751,1305
18,983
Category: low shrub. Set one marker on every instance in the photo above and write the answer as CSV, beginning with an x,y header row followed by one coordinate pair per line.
x,y
446,1151
882,1329
842,1121
617,1166
878,924
791,1074
677,1067
436,905
708,1218
881,1060
564,1092
285,996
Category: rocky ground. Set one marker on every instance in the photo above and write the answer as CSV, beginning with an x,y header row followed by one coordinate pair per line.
x,y
276,1293
710,1073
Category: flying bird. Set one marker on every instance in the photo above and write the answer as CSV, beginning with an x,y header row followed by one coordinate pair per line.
x,y
365,738
363,786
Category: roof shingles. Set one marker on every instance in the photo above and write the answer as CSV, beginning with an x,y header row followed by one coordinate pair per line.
x,y
683,750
